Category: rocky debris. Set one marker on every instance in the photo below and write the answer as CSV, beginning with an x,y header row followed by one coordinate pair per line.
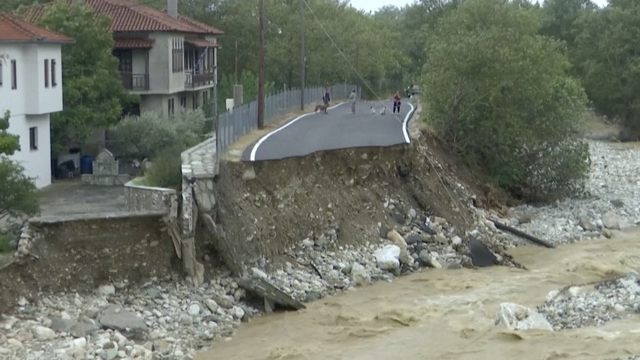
x,y
388,257
25,243
157,320
576,306
613,177
518,317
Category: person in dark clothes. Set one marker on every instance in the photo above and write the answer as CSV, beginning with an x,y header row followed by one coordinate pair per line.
x,y
327,97
396,102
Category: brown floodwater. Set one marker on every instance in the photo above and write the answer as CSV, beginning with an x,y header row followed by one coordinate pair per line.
x,y
449,314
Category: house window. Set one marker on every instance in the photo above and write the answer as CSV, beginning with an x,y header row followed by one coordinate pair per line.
x,y
205,97
14,75
194,102
33,138
183,102
210,59
54,81
170,107
0,73
46,73
177,55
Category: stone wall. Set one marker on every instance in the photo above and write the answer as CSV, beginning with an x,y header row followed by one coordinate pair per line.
x,y
147,198
199,168
105,180
79,255
106,171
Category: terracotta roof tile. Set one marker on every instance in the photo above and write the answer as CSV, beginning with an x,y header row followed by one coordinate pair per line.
x,y
127,16
14,29
133,43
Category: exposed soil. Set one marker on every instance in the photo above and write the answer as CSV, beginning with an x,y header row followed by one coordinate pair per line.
x,y
351,192
78,256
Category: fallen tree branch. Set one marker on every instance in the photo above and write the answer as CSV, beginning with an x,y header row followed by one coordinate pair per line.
x,y
521,234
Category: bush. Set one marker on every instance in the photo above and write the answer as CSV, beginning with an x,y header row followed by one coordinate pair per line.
x,y
18,193
166,169
500,95
148,135
5,243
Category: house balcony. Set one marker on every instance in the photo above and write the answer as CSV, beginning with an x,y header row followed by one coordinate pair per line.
x,y
194,79
134,82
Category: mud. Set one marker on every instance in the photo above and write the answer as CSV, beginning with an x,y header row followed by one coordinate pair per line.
x,y
449,314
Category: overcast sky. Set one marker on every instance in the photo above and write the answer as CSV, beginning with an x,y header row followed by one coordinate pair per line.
x,y
372,5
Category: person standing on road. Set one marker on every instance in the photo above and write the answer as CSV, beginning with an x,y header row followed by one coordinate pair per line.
x,y
352,99
326,97
396,102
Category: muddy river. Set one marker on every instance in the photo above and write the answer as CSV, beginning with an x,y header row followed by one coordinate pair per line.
x,y
448,314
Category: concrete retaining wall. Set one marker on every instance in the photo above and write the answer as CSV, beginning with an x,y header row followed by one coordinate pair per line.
x,y
140,198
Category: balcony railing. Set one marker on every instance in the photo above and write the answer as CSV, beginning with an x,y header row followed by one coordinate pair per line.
x,y
198,78
132,81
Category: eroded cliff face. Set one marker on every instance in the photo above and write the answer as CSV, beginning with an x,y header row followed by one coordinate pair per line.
x,y
342,197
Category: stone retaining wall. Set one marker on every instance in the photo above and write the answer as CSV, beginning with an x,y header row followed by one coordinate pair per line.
x,y
199,168
140,198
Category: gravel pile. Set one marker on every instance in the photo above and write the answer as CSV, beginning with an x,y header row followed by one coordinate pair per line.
x,y
614,201
575,306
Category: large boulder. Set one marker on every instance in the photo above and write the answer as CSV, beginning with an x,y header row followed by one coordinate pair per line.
x,y
518,317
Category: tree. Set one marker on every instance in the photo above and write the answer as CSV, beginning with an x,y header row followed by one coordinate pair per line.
x,y
93,93
249,82
608,60
499,94
18,193
560,20
146,136
356,34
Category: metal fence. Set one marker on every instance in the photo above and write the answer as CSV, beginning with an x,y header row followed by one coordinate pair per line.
x,y
243,119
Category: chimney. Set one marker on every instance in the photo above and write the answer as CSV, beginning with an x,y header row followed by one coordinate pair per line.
x,y
172,8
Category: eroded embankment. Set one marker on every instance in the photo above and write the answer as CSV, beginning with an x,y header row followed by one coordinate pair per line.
x,y
266,208
78,256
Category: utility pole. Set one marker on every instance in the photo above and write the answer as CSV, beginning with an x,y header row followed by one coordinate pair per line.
x,y
302,57
260,64
236,77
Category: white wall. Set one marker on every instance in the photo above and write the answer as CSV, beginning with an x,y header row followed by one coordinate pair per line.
x,y
31,103
31,97
37,163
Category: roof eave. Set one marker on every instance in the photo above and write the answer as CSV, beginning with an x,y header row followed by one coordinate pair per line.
x,y
38,41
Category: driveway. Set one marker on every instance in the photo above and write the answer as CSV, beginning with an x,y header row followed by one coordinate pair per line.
x,y
339,129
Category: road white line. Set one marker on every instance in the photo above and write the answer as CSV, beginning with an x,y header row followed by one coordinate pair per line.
x,y
252,157
407,139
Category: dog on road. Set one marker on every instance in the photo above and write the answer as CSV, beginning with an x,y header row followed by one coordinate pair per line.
x,y
383,111
372,110
321,108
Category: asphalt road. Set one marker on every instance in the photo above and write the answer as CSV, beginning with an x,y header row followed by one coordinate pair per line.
x,y
338,129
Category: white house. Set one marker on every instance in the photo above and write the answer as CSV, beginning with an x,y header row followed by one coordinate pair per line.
x,y
31,89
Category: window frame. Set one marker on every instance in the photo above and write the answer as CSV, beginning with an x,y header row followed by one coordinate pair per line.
x,y
33,138
171,109
14,75
46,73
54,81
